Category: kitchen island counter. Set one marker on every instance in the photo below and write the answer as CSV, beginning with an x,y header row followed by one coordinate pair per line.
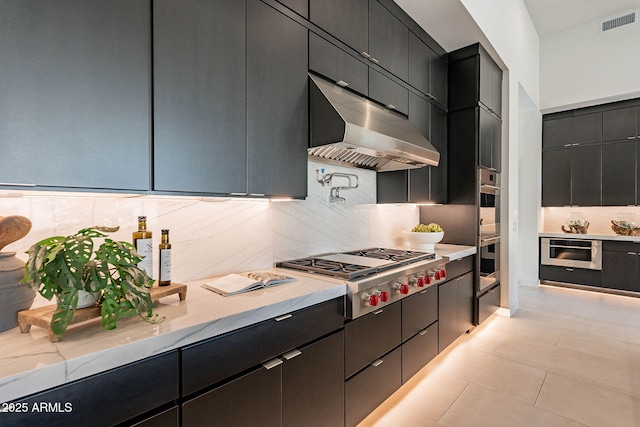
x,y
29,363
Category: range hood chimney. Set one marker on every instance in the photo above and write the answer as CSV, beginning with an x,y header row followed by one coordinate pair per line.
x,y
347,128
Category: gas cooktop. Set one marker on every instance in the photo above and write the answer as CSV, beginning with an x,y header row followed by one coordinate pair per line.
x,y
356,264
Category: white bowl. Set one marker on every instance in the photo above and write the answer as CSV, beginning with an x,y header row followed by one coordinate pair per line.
x,y
422,240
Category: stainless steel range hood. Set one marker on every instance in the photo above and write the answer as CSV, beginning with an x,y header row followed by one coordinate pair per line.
x,y
348,128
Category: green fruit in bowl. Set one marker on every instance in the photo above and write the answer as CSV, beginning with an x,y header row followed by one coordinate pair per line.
x,y
431,228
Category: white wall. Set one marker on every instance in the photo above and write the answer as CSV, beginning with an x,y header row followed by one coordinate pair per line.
x,y
582,66
509,29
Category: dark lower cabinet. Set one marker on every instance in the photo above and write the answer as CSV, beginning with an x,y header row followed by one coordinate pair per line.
x,y
621,265
105,399
251,400
419,351
365,391
313,384
579,276
455,309
370,336
488,303
419,311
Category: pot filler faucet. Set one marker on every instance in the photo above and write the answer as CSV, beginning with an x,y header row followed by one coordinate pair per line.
x,y
326,179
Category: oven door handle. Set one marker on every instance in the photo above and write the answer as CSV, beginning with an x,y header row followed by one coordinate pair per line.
x,y
491,187
489,240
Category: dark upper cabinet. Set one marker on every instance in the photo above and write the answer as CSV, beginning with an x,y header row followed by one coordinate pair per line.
x,y
348,21
587,128
621,123
301,7
427,71
427,184
75,94
337,65
619,173
388,41
277,103
489,141
388,92
199,96
557,132
556,177
572,176
474,78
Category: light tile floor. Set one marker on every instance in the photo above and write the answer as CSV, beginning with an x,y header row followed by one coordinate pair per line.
x,y
567,358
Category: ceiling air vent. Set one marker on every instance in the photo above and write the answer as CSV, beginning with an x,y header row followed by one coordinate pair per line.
x,y
619,21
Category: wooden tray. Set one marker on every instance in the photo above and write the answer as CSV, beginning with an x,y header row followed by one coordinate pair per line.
x,y
41,316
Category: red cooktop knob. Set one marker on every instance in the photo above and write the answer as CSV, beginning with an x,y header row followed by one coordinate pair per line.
x,y
384,296
437,275
404,289
421,282
443,273
373,300
427,280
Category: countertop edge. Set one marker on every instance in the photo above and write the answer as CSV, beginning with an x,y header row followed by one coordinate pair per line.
x,y
591,236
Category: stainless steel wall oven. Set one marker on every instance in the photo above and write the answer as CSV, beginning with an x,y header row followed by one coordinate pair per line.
x,y
489,229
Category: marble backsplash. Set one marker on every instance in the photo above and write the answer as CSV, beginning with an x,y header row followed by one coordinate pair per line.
x,y
216,236
599,217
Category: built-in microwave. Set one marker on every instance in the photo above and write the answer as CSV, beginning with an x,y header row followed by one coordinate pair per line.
x,y
574,253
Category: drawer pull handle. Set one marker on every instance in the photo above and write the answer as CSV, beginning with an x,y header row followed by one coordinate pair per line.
x,y
291,354
631,253
390,107
365,54
272,363
283,317
16,184
377,363
378,311
424,292
422,332
569,269
374,60
342,83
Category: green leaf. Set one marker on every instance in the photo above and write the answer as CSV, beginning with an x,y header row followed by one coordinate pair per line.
x,y
67,302
108,313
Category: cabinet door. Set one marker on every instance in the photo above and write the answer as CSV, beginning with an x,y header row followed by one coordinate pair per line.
x,y
490,84
369,337
277,103
619,174
586,176
556,177
337,65
620,123
465,302
347,21
557,132
439,80
74,109
496,144
199,96
254,399
485,140
420,59
388,41
313,384
587,128
447,314
619,270
387,92
393,186
438,138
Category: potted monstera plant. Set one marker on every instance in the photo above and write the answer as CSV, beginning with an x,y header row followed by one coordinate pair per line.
x,y
63,267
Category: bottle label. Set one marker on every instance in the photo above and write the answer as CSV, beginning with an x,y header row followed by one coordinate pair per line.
x,y
144,247
165,265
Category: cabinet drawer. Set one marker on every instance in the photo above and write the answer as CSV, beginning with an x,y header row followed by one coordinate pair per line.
x,y
368,389
213,360
419,311
459,267
369,337
578,276
254,399
419,351
488,303
133,389
614,246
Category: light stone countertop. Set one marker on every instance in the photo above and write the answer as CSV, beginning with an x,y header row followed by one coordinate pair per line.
x,y
29,363
592,236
